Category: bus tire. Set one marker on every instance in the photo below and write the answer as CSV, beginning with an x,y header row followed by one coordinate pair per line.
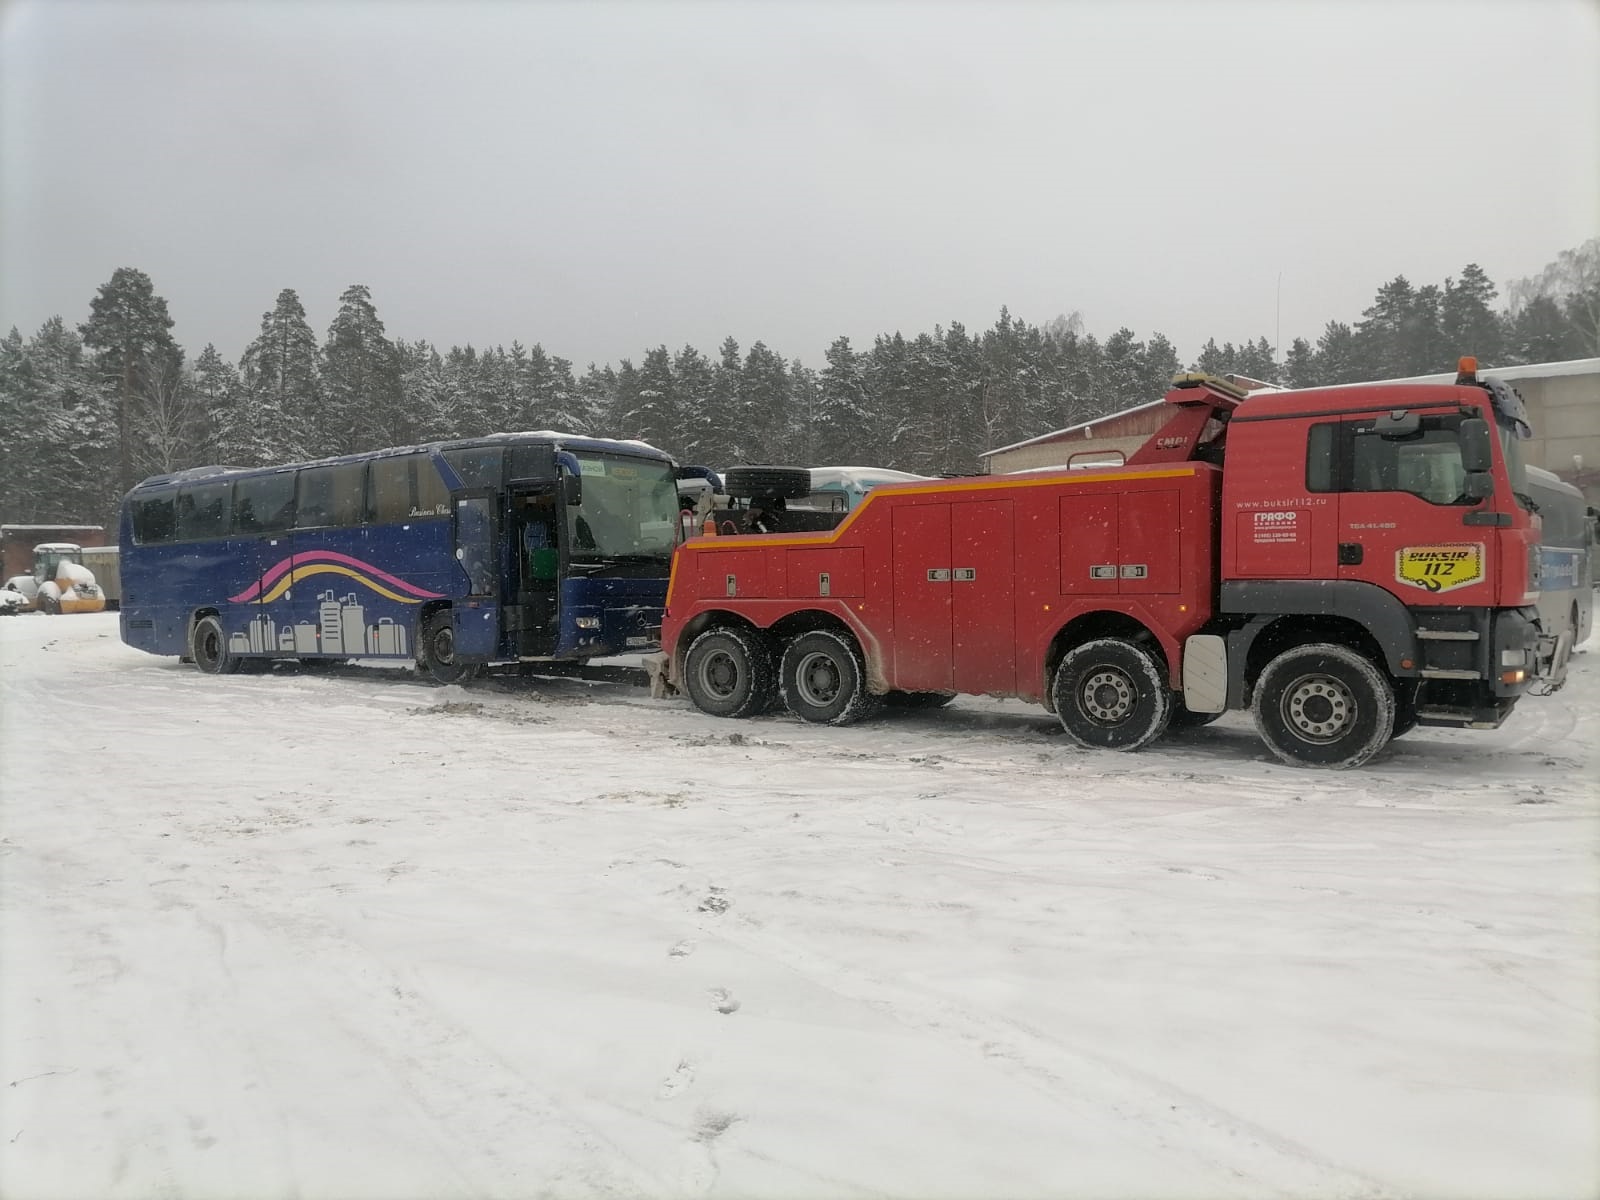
x,y
436,651
728,672
1324,705
1112,694
208,647
824,679
917,701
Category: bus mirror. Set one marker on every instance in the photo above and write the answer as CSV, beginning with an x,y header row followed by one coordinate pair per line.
x,y
1479,485
572,490
1475,452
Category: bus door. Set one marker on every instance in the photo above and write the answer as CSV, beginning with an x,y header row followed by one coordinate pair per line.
x,y
534,571
477,614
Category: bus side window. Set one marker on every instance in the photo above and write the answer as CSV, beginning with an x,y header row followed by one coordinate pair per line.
x,y
330,496
203,511
154,518
389,499
263,503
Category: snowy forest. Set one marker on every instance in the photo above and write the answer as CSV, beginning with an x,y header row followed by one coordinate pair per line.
x,y
89,409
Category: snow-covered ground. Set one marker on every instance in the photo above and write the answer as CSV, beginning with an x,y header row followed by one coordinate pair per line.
x,y
340,935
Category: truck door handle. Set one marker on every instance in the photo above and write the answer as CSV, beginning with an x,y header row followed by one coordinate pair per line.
x,y
1351,554
938,574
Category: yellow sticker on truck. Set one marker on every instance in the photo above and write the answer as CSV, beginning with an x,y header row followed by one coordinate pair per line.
x,y
1439,568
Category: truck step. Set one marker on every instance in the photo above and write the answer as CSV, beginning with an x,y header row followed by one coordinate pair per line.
x,y
1448,635
1448,673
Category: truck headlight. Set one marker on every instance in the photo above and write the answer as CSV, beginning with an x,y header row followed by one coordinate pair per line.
x,y
588,622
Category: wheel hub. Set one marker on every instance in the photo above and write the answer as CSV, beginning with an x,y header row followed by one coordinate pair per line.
x,y
1108,696
817,679
719,675
1319,708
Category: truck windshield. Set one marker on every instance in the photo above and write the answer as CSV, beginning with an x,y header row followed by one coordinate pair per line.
x,y
629,511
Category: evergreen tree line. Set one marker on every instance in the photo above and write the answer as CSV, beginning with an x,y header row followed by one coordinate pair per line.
x,y
87,411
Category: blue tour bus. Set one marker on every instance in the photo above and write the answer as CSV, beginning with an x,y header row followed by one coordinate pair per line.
x,y
1566,550
514,547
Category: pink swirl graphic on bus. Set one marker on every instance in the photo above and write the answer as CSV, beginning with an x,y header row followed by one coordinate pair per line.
x,y
283,575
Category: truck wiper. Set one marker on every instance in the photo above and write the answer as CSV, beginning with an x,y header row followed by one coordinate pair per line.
x,y
1526,501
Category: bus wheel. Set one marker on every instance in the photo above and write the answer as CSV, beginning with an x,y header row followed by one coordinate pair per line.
x,y
436,652
728,672
208,646
1324,705
824,679
1112,695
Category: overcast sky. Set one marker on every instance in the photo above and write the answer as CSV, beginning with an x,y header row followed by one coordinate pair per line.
x,y
604,178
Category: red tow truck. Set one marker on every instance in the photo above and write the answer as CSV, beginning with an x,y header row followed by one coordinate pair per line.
x,y
1348,562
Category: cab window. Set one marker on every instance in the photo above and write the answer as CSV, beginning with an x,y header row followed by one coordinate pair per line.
x,y
1358,456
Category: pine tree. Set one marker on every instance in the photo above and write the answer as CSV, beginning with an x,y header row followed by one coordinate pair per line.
x,y
694,382
282,386
1467,320
130,330
363,406
1300,366
840,416
217,394
763,405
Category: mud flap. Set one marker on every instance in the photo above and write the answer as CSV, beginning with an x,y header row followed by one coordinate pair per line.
x,y
1550,665
659,668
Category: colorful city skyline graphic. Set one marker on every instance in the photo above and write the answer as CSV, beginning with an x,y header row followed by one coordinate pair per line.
x,y
340,628
285,574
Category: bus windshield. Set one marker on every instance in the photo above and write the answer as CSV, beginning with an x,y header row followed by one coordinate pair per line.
x,y
629,511
1516,461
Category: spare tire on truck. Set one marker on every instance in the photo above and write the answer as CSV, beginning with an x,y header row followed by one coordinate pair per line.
x,y
753,483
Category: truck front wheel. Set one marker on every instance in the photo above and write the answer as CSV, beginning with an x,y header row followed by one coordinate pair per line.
x,y
1324,705
727,672
1112,695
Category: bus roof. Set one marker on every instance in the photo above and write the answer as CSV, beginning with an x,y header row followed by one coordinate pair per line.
x,y
559,441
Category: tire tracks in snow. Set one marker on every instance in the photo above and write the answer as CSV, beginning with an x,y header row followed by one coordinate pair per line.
x,y
1250,1157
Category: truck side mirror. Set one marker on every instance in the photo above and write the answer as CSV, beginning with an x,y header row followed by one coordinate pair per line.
x,y
1476,454
572,490
1478,486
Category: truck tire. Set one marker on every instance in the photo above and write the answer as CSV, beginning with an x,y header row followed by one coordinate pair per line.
x,y
728,672
1112,694
824,679
917,701
436,651
1324,705
749,483
208,647
50,605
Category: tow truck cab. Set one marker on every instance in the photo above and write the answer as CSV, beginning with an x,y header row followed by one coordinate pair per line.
x,y
1398,519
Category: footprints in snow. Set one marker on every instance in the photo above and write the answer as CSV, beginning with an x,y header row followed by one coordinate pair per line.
x,y
724,1001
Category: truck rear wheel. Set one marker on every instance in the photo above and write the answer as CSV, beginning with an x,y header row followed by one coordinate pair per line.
x,y
728,672
1112,695
824,679
208,647
1324,705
